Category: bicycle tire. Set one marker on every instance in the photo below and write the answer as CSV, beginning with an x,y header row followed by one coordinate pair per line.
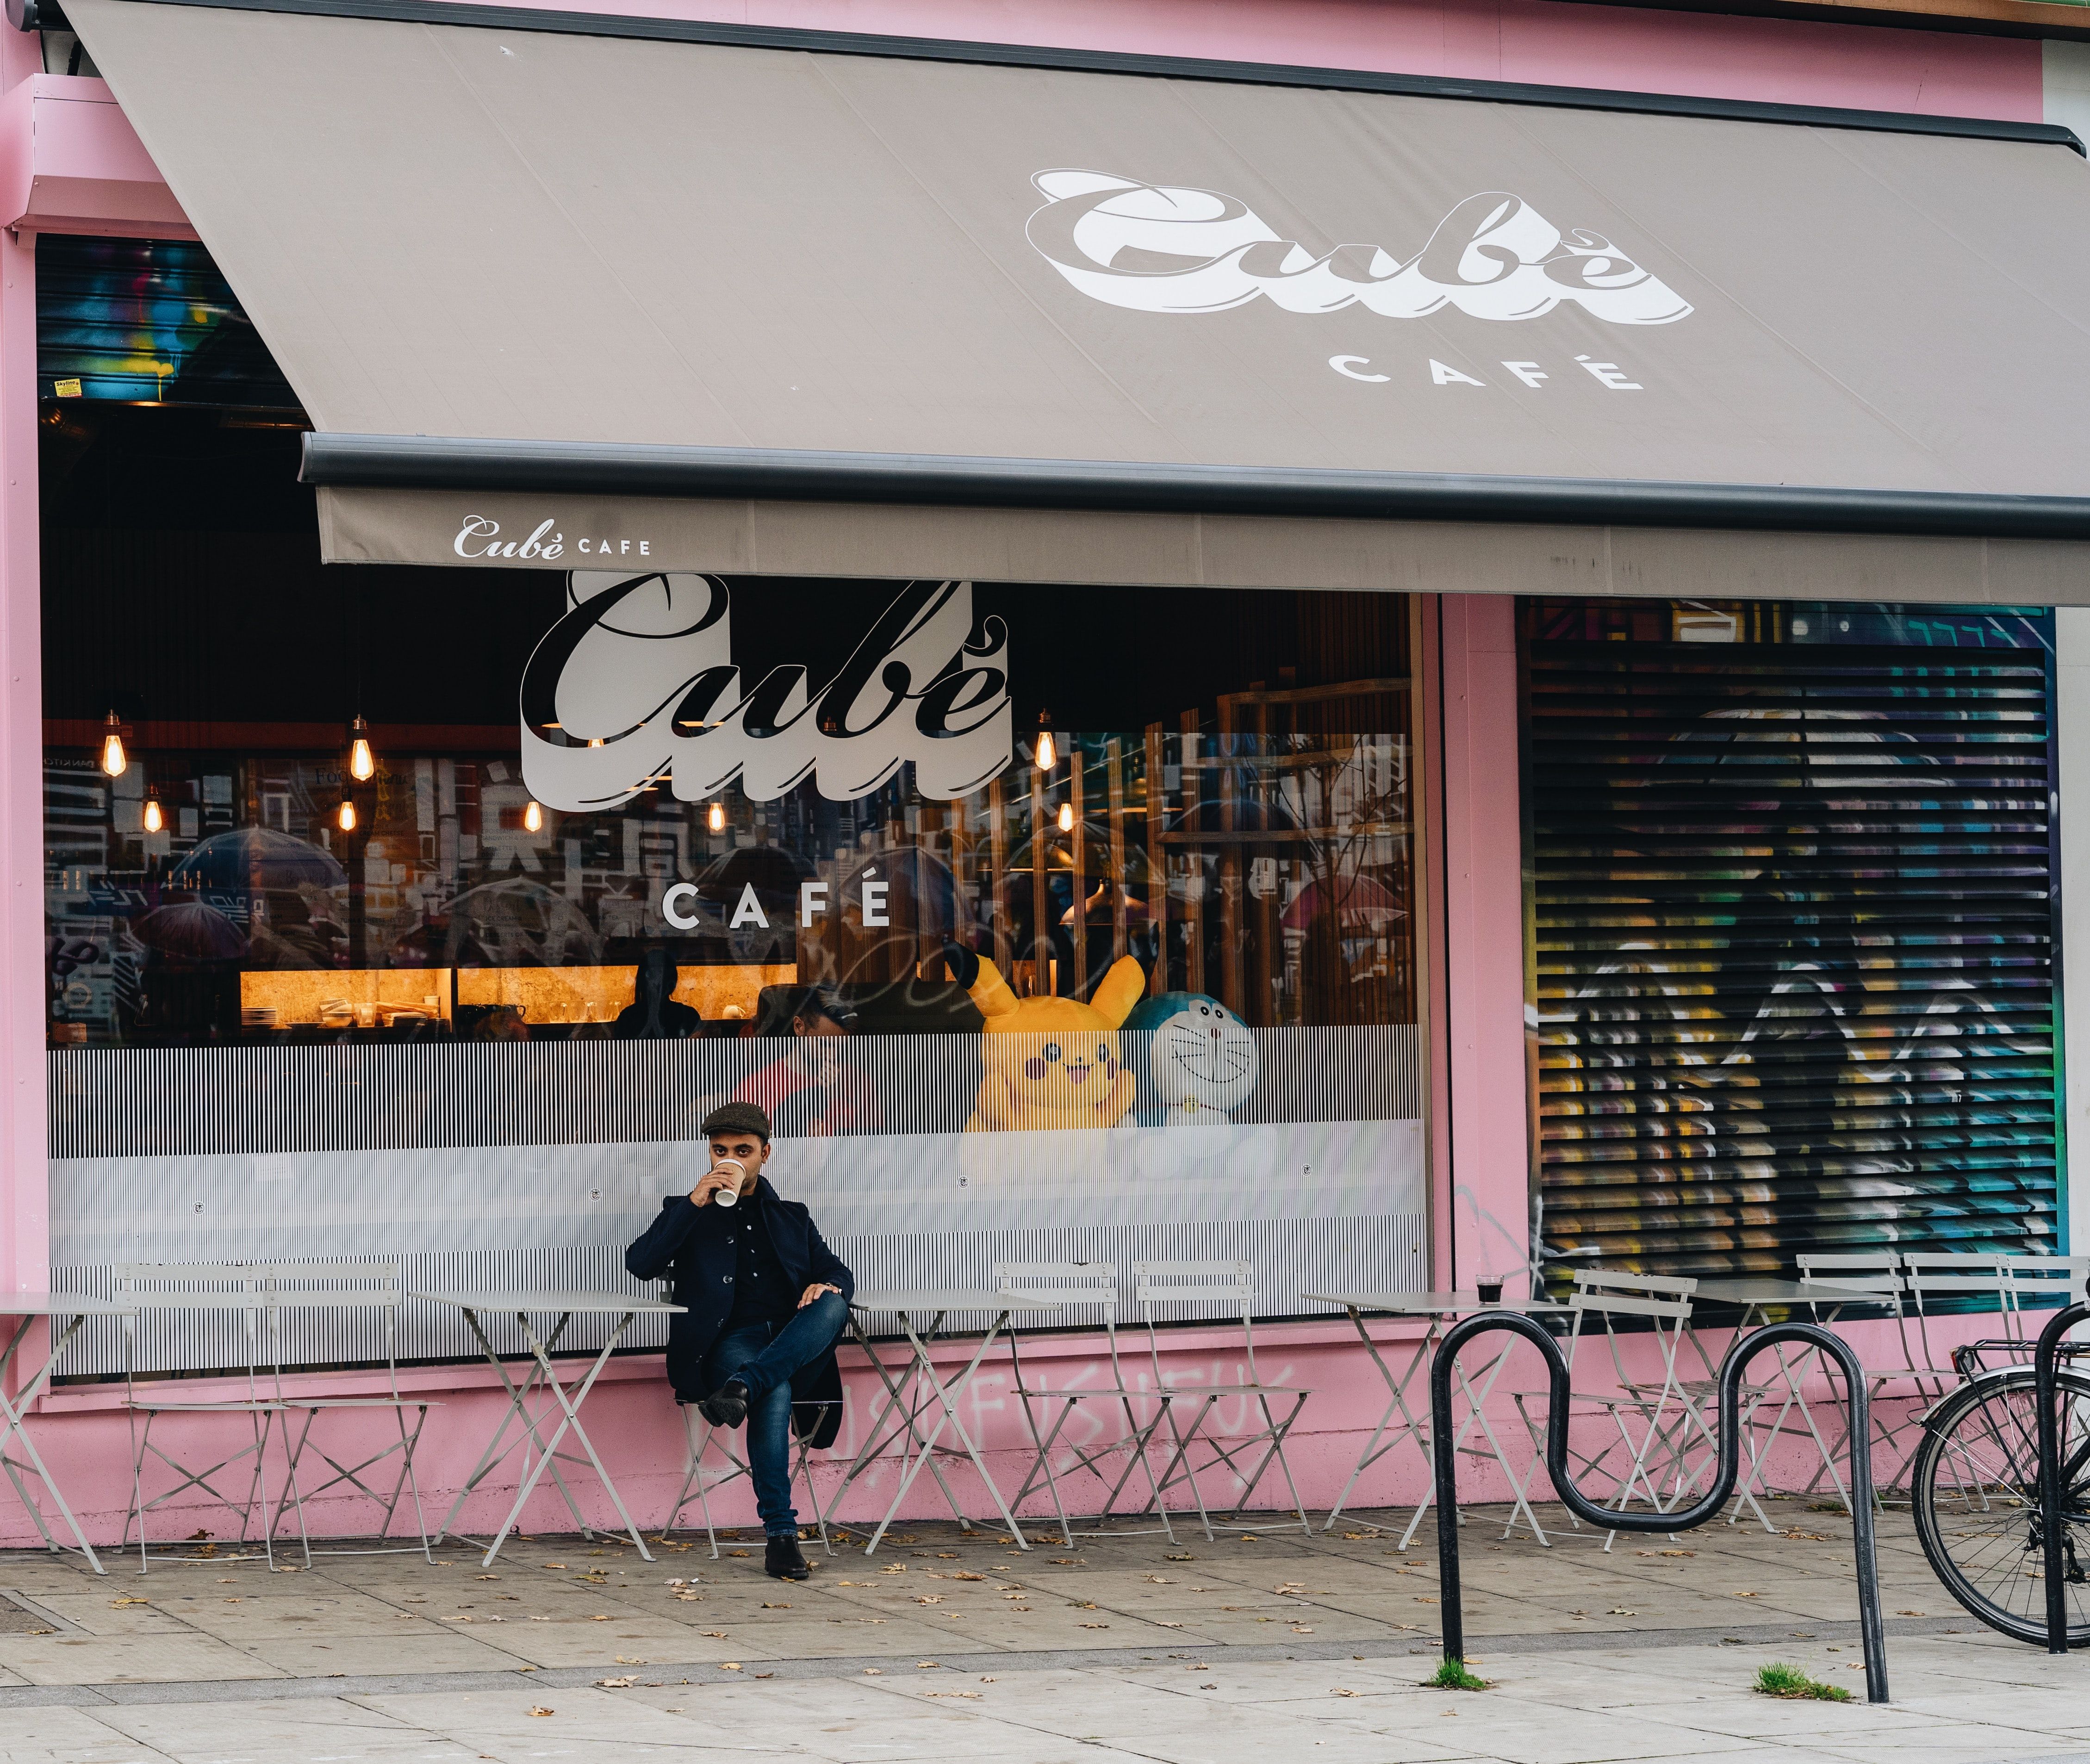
x,y
1979,1462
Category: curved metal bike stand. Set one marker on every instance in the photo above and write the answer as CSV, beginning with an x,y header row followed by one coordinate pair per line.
x,y
1745,1349
2045,1362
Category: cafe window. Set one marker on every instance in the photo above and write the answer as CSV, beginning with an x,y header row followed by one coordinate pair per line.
x,y
937,871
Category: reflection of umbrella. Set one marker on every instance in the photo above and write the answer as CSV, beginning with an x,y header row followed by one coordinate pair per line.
x,y
258,860
1361,900
191,932
519,923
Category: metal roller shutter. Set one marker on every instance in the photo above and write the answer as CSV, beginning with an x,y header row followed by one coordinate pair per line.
x,y
1794,930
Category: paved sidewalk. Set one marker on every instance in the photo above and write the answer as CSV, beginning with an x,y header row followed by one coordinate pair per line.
x,y
943,1645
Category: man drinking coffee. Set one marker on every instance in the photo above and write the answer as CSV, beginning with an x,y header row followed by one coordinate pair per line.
x,y
766,1301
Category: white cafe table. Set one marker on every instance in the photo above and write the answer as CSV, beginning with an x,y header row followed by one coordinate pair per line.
x,y
1756,1296
626,1308
1413,1429
29,1308
914,1387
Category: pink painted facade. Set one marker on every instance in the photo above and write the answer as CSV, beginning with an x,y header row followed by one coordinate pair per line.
x,y
69,163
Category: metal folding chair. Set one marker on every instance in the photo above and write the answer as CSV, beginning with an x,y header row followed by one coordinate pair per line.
x,y
1847,1278
702,1436
342,1293
1230,1284
1069,1289
1669,1413
2034,1283
186,1293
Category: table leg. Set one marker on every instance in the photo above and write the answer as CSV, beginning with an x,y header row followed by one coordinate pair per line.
x,y
879,1434
1411,1428
517,1408
569,1409
14,1424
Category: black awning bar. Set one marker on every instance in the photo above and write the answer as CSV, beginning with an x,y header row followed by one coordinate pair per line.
x,y
596,468
474,15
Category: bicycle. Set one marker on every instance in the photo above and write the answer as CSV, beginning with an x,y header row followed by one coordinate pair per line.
x,y
1976,1488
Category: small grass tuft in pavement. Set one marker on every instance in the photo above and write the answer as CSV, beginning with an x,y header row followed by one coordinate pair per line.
x,y
1453,1676
1779,1680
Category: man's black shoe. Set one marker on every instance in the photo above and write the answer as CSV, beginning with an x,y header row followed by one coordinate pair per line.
x,y
726,1406
783,1560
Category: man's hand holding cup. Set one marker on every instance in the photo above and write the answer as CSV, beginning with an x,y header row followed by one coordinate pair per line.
x,y
720,1184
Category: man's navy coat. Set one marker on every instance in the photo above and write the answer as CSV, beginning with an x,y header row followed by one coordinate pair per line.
x,y
687,1243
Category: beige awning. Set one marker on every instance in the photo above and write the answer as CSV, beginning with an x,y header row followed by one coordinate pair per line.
x,y
797,311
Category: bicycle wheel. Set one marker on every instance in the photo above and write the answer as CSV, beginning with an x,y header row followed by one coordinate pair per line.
x,y
1976,1497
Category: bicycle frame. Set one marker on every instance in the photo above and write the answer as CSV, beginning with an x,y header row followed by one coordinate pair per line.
x,y
1743,1350
2045,1365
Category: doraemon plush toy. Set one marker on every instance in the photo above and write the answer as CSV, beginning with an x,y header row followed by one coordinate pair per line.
x,y
1196,1064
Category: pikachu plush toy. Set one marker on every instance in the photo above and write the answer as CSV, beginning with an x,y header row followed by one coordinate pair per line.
x,y
1050,1062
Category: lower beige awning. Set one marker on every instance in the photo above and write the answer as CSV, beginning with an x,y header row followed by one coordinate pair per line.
x,y
845,307
995,544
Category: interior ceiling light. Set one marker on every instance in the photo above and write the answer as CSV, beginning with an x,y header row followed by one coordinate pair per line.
x,y
717,818
154,820
114,761
362,763
1048,755
533,817
345,817
1066,817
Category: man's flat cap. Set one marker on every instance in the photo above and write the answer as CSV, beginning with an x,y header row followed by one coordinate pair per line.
x,y
738,1117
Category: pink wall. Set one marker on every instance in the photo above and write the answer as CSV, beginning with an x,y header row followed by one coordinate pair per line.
x,y
1483,829
1529,41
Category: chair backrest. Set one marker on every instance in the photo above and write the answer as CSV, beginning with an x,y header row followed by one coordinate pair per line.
x,y
1862,1277
1160,1283
1073,1292
374,1288
2040,1281
1663,1299
1936,1274
191,1289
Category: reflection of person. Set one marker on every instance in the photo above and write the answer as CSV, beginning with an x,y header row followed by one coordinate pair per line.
x,y
808,1091
653,1013
767,1300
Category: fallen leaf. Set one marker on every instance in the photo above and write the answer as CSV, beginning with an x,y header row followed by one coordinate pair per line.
x,y
736,1552
1095,1626
1748,1595
1422,1599
1908,1613
929,1598
600,1617
486,1577
138,1601
766,1607
1075,1561
872,1671
765,1674
1163,1623
1297,1630
625,1682
1620,1610
1184,1557
716,1635
626,1660
969,1577
544,1712
973,1694
729,1666
1339,1692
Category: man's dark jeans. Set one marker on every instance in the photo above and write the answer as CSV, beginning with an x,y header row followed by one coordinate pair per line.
x,y
763,1356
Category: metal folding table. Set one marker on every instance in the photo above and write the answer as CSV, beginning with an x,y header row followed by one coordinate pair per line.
x,y
29,1309
914,1387
1413,1429
627,1307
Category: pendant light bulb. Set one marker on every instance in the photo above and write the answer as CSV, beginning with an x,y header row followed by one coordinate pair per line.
x,y
716,818
533,817
345,819
1048,755
362,763
114,761
1066,817
154,820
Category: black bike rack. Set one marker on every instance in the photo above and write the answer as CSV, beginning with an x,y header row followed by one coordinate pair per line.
x,y
2045,1364
1745,1348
